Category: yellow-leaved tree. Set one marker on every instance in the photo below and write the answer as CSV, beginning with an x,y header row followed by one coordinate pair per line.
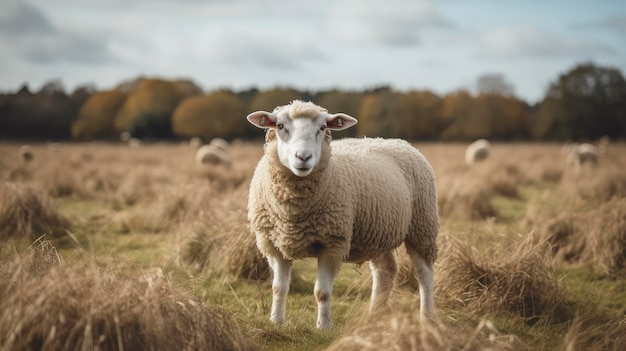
x,y
97,115
218,114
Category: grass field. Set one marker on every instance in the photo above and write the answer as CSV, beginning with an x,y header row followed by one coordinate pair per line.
x,y
114,248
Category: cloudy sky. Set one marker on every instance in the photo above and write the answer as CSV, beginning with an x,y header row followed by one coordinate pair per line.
x,y
441,45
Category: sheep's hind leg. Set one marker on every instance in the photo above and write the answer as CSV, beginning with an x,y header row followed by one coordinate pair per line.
x,y
384,269
424,273
281,269
327,269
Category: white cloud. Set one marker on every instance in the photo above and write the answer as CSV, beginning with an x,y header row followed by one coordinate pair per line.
x,y
529,41
26,33
388,23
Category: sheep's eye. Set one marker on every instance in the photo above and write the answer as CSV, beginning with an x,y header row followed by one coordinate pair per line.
x,y
323,127
280,126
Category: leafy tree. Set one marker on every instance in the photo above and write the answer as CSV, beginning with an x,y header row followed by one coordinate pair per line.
x,y
336,101
584,103
376,112
219,114
462,119
494,84
150,105
267,100
96,117
47,114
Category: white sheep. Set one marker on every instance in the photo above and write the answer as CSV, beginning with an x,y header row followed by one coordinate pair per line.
x,y
351,200
212,155
580,154
477,151
26,153
125,136
220,143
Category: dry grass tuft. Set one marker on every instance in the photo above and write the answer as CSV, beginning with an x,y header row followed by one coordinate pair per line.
x,y
519,280
25,212
578,235
224,241
466,198
594,332
65,308
405,331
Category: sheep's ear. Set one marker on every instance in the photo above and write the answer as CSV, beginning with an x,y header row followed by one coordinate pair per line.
x,y
340,121
262,119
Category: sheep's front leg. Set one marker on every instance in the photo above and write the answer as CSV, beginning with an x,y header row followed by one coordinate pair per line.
x,y
327,269
281,269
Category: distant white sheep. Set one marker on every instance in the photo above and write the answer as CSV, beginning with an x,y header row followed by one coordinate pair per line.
x,y
581,154
220,143
26,153
351,200
212,155
125,136
477,151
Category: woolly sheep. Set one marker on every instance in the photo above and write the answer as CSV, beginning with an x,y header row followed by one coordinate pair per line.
x,y
220,143
26,153
477,151
355,203
211,155
125,136
580,154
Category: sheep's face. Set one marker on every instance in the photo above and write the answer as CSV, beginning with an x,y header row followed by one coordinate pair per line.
x,y
300,130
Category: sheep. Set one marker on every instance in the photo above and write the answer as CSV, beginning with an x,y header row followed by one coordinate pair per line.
x,y
220,143
477,151
581,154
350,200
212,155
26,153
125,136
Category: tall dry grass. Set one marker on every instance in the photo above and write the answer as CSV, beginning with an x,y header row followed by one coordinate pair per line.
x,y
405,331
508,271
26,212
223,242
49,305
520,280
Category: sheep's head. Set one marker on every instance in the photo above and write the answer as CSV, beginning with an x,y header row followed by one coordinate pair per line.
x,y
300,128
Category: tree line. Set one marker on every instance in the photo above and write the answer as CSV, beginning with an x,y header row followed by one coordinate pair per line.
x,y
585,103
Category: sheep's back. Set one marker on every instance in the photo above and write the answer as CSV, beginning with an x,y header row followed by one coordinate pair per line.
x,y
393,185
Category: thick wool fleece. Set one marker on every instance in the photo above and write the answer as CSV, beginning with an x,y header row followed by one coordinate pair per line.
x,y
365,199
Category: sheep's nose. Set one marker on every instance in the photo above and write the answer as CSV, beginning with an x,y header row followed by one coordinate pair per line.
x,y
304,155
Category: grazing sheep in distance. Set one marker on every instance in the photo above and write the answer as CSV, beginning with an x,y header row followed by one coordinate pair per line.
x,y
220,143
351,200
212,155
26,153
581,154
477,151
125,136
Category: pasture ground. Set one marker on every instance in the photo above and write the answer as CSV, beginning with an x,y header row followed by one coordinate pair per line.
x,y
532,255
